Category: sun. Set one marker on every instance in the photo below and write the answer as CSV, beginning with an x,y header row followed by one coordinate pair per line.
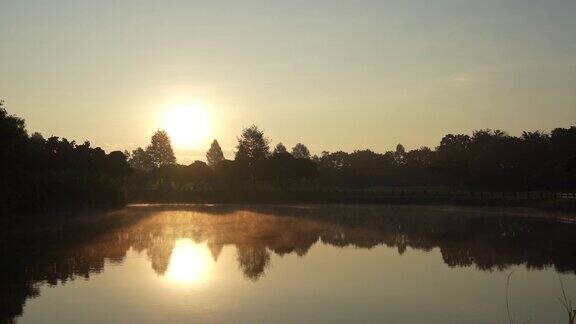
x,y
188,125
190,263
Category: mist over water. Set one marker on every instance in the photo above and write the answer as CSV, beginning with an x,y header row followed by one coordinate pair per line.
x,y
331,263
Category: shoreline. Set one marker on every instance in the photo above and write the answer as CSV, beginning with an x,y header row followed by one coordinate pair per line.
x,y
479,199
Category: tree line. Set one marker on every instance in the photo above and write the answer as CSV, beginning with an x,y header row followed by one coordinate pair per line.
x,y
46,174
487,160
254,162
41,174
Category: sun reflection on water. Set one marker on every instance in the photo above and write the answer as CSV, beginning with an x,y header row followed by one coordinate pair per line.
x,y
190,263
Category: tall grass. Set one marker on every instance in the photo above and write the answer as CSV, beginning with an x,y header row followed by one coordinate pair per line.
x,y
567,303
564,300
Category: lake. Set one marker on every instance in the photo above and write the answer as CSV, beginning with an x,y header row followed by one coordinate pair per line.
x,y
289,264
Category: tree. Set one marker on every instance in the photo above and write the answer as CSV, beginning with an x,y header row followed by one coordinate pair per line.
x,y
13,139
400,154
13,135
182,174
116,165
140,160
252,145
453,157
160,149
571,165
300,151
420,158
214,154
40,174
279,169
199,171
231,173
279,149
252,150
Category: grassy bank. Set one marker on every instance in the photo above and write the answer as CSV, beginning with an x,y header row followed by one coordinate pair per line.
x,y
413,196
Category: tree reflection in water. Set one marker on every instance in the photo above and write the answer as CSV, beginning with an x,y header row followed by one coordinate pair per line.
x,y
486,238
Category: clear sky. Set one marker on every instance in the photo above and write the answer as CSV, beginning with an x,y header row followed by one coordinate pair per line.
x,y
331,74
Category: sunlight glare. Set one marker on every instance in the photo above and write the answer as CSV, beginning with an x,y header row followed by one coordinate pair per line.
x,y
188,125
190,263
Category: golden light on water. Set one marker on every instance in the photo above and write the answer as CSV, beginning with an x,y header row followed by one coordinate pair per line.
x,y
190,263
188,125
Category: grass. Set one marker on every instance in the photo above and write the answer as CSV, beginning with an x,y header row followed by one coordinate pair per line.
x,y
564,300
567,304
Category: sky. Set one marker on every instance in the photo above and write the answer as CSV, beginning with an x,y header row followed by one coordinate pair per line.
x,y
334,75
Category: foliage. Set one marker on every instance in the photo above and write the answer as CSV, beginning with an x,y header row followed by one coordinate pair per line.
x,y
279,149
160,149
47,174
300,151
141,160
158,154
43,174
489,159
252,150
252,146
214,154
283,169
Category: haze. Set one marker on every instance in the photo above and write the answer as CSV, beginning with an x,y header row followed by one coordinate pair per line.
x,y
335,75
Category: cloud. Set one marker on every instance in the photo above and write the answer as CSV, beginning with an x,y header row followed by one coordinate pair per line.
x,y
458,80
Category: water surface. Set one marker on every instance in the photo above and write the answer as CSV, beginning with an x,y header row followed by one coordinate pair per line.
x,y
320,264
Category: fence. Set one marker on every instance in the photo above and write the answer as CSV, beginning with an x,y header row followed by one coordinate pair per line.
x,y
435,194
565,195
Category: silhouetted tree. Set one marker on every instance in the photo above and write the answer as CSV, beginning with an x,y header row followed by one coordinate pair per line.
x,y
279,169
279,149
231,173
252,145
252,149
214,154
13,137
141,160
178,175
454,157
489,159
116,164
160,149
420,158
199,171
300,151
170,175
49,174
400,155
282,169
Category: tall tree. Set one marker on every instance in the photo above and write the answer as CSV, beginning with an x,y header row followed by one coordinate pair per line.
x,y
252,150
400,154
160,149
43,174
280,149
252,146
214,154
13,134
300,151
